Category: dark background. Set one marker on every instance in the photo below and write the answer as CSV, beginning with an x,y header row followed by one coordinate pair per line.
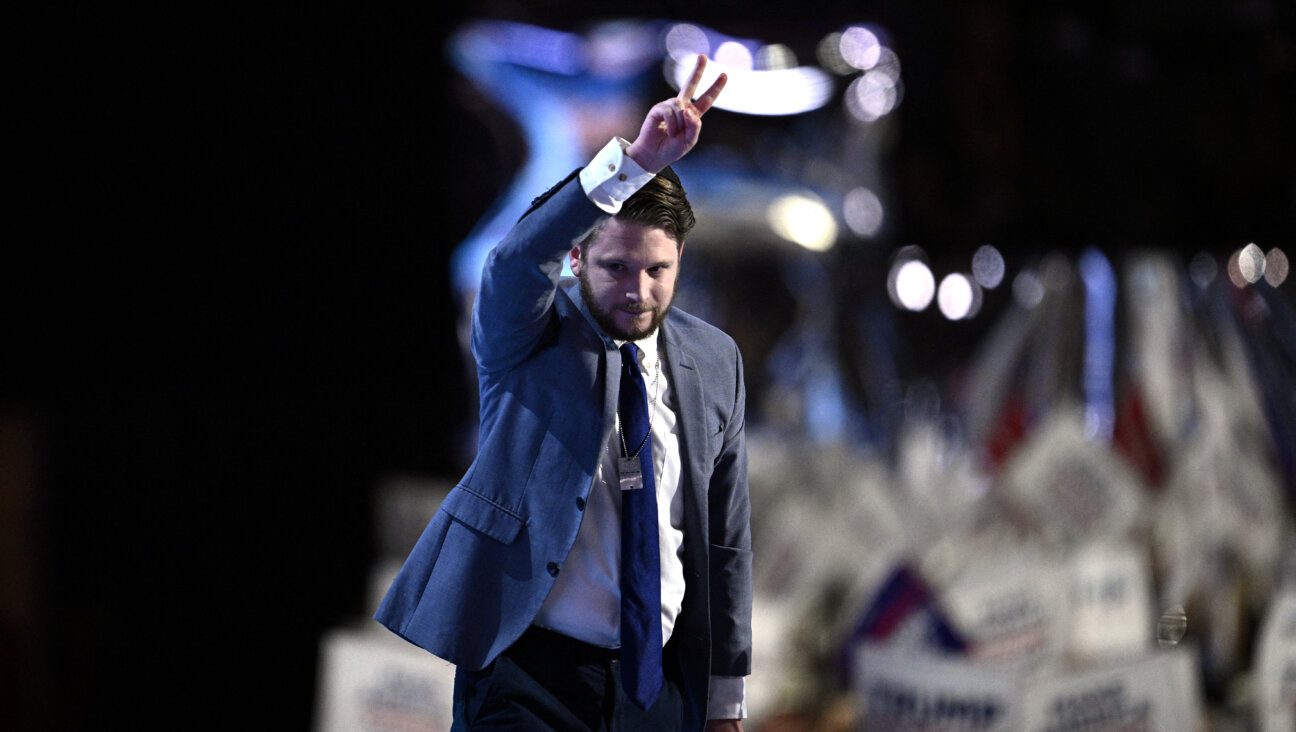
x,y
226,316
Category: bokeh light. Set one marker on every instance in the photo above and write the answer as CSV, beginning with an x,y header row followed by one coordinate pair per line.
x,y
1276,266
684,41
956,296
1028,289
1235,269
803,220
863,212
734,55
775,56
910,282
829,55
1251,263
617,49
860,47
768,92
888,63
871,96
915,285
988,266
1203,269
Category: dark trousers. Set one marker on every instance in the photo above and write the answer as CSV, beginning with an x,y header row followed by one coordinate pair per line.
x,y
548,681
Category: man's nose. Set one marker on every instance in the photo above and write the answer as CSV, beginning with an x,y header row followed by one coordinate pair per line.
x,y
637,286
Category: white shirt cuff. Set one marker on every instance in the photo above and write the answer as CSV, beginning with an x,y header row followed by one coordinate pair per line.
x,y
728,698
612,176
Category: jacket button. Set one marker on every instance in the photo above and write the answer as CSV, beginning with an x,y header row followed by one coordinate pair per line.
x,y
553,569
580,503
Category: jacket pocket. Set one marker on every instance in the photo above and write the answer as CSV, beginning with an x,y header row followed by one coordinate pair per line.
x,y
479,513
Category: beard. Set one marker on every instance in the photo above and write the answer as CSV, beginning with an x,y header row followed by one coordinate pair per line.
x,y
604,316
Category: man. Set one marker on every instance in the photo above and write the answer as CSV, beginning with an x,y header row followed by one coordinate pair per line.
x,y
592,570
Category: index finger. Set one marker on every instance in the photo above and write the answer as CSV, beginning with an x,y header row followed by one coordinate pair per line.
x,y
686,91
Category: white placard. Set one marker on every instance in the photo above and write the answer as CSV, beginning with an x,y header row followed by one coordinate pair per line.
x,y
1275,667
1010,607
1110,603
1158,693
901,691
1071,489
372,681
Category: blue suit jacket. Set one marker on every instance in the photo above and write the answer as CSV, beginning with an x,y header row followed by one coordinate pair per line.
x,y
549,381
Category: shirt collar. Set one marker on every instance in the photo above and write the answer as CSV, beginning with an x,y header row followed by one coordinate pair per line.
x,y
647,349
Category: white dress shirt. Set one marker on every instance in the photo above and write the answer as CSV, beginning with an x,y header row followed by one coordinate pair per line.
x,y
585,602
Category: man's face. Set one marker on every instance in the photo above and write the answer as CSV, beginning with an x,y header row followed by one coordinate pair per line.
x,y
628,277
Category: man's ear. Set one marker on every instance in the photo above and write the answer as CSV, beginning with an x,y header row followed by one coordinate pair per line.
x,y
574,259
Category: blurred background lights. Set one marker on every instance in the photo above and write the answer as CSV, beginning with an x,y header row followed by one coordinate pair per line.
x,y
766,92
1202,269
685,41
888,63
908,252
1028,289
733,55
525,45
772,92
871,96
956,296
915,285
860,48
988,266
1275,267
863,212
910,282
775,56
830,57
804,220
620,48
1251,263
1235,269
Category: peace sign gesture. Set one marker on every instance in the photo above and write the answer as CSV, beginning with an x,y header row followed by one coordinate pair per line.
x,y
672,127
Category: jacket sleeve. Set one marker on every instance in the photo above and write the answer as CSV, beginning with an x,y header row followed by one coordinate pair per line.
x,y
514,305
729,513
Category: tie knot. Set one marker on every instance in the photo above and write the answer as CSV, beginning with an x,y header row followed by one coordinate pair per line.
x,y
630,356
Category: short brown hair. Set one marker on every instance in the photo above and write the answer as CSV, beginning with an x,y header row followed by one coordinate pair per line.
x,y
661,203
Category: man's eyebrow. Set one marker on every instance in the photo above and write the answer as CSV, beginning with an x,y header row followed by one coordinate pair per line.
x,y
612,259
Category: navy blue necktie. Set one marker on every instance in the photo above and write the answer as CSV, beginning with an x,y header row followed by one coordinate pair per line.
x,y
641,629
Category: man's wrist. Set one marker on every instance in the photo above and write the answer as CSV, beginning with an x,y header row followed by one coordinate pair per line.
x,y
613,176
641,158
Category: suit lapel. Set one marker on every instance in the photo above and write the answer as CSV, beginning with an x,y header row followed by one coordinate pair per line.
x,y
682,371
598,357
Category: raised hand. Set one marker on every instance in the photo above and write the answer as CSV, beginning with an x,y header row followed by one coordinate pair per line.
x,y
672,127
